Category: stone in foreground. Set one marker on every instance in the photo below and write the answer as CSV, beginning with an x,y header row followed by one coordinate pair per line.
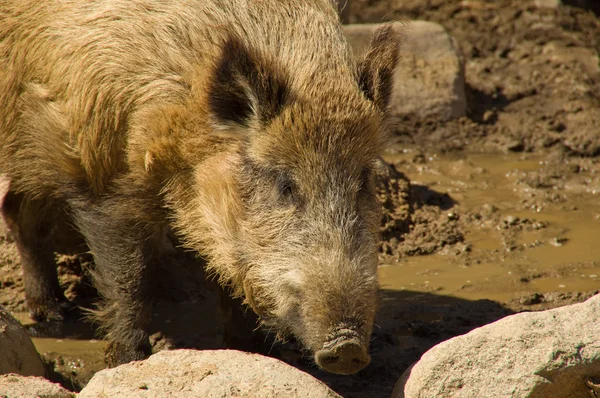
x,y
216,373
17,352
13,385
554,353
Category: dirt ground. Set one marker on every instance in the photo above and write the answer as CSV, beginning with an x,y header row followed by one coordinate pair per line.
x,y
488,215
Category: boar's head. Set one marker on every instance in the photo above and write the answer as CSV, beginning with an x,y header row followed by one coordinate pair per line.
x,y
307,218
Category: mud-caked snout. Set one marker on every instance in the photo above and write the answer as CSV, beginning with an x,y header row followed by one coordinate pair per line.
x,y
345,358
343,354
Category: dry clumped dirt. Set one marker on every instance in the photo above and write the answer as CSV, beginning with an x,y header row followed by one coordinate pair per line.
x,y
415,221
533,84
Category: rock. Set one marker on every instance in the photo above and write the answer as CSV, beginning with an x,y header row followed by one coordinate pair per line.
x,y
553,353
429,82
17,352
16,386
209,373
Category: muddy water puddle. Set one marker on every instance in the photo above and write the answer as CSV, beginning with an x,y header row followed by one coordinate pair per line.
x,y
530,224
70,349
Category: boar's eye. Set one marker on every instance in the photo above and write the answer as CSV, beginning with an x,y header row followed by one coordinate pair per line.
x,y
287,188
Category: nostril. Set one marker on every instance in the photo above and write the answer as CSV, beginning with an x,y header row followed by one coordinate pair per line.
x,y
330,359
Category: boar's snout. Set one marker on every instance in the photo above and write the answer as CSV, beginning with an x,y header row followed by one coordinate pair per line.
x,y
345,357
344,354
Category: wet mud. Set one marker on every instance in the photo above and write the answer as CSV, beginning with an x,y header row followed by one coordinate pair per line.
x,y
492,214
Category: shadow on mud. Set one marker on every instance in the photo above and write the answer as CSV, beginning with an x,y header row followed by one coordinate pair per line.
x,y
483,105
408,324
422,195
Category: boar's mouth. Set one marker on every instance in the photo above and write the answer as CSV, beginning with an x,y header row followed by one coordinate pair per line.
x,y
343,353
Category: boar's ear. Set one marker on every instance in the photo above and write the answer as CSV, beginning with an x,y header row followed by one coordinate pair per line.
x,y
376,69
245,88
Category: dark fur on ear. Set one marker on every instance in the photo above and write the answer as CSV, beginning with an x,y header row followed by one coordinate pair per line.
x,y
376,69
246,87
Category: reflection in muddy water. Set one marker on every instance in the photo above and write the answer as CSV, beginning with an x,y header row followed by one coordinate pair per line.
x,y
530,225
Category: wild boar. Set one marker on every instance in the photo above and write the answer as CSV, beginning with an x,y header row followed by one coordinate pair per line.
x,y
245,126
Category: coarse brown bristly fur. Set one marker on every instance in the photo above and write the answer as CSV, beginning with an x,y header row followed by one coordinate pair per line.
x,y
246,126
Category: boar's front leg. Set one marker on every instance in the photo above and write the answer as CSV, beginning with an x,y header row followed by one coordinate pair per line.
x,y
239,324
30,223
123,232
